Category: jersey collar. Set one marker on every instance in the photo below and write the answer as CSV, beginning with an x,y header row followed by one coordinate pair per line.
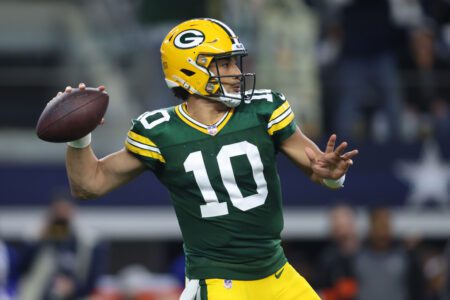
x,y
213,129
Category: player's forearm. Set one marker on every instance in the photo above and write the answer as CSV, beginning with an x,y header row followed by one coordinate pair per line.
x,y
294,148
91,177
309,172
82,170
308,169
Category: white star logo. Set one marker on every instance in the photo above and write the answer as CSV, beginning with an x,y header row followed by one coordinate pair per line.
x,y
429,177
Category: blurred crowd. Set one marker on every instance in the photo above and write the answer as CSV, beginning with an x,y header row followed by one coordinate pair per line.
x,y
66,262
385,68
368,69
379,266
61,261
365,69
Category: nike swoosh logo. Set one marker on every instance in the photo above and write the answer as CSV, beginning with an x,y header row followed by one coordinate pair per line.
x,y
278,275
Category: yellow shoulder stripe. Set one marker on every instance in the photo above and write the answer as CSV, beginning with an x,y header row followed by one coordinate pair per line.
x,y
279,111
144,152
141,139
281,124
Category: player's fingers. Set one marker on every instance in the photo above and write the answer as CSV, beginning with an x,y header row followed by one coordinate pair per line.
x,y
310,154
350,154
101,88
82,86
347,164
59,94
68,89
331,143
340,149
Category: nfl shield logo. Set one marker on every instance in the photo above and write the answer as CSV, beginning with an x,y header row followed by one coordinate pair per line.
x,y
212,130
227,283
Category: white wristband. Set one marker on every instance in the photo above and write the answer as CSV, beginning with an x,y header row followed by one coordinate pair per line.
x,y
334,183
81,142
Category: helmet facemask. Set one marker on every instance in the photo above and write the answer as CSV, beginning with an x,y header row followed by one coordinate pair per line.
x,y
215,86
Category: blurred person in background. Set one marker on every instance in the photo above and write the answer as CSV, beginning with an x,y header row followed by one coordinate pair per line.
x,y
427,74
216,153
7,271
384,268
447,262
336,278
64,262
369,102
327,53
435,270
4,271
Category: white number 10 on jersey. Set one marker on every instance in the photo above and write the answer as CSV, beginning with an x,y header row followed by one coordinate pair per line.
x,y
213,208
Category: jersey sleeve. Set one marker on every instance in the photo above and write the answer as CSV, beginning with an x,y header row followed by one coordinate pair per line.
x,y
281,123
140,144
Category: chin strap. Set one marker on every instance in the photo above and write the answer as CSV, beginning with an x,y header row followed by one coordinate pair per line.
x,y
229,102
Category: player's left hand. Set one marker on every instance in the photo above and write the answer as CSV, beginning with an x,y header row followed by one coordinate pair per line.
x,y
333,163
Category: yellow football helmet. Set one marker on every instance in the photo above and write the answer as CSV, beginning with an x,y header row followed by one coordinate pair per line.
x,y
189,49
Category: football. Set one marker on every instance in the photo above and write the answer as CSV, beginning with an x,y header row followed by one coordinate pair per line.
x,y
70,116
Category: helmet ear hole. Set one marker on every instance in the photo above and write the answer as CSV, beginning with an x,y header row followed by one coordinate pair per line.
x,y
187,72
210,87
203,60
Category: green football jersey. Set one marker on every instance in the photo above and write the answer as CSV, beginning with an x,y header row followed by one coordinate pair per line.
x,y
223,183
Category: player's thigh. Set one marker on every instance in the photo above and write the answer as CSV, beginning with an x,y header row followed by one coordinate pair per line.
x,y
290,285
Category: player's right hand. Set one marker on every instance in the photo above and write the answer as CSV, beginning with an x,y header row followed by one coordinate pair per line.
x,y
82,86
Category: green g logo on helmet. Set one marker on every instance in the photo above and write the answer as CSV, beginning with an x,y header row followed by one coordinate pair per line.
x,y
189,39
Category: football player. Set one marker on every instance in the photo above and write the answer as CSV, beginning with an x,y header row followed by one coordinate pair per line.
x,y
215,153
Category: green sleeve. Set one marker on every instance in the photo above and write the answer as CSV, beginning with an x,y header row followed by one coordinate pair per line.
x,y
140,144
281,120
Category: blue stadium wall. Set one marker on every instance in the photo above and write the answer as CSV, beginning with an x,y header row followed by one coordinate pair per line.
x,y
373,180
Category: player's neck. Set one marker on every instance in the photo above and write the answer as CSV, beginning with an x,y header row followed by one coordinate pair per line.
x,y
205,111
